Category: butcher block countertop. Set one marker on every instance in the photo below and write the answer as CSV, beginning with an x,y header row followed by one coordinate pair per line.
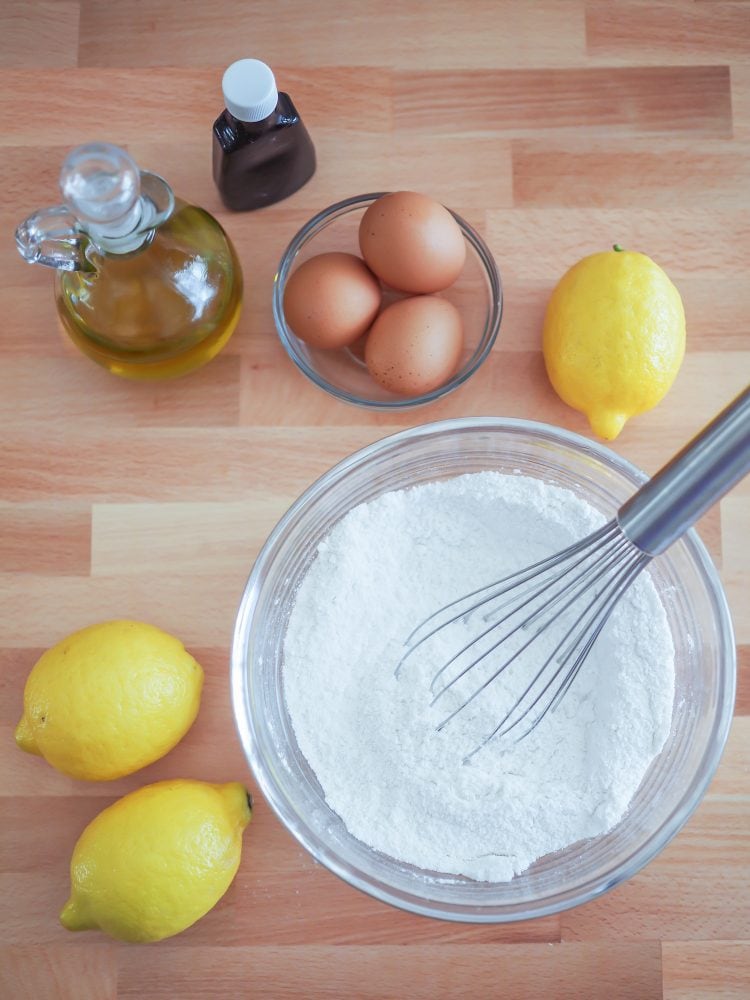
x,y
556,128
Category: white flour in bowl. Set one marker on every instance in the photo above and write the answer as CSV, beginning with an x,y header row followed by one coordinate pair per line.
x,y
398,784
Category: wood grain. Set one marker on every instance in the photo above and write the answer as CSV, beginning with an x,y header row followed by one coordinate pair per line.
x,y
563,971
425,33
631,100
556,127
719,970
630,173
39,34
640,30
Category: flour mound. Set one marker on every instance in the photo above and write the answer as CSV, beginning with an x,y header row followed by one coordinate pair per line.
x,y
399,785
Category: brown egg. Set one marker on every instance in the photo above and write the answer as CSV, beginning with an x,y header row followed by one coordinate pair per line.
x,y
331,300
412,243
415,345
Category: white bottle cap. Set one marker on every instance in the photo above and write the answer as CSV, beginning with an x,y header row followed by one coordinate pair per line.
x,y
249,88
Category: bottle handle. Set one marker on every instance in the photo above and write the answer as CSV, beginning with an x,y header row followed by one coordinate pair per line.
x,y
110,206
52,237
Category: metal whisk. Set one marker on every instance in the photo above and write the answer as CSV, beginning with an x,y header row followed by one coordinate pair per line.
x,y
577,589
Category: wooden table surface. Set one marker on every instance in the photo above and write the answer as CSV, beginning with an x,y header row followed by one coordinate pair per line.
x,y
557,129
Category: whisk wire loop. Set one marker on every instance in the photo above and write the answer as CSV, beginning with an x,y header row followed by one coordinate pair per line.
x,y
607,557
588,633
512,580
590,581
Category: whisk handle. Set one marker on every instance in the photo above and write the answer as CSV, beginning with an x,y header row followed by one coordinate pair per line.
x,y
666,506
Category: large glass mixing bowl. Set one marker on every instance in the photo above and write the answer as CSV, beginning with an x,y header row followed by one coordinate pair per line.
x,y
704,690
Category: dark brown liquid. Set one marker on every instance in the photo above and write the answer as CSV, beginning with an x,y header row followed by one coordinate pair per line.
x,y
259,163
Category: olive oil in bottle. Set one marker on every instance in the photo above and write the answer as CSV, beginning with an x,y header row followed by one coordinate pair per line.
x,y
146,285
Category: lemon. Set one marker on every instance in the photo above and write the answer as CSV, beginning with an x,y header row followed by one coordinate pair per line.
x,y
614,337
157,860
109,699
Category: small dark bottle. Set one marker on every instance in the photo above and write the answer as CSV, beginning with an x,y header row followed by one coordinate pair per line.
x,y
262,151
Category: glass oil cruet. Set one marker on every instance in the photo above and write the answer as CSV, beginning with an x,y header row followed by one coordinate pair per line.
x,y
146,285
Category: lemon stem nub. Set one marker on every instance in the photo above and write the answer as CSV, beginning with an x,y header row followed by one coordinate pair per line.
x,y
73,920
617,248
24,737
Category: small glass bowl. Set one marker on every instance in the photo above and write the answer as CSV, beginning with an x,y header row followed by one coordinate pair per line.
x,y
477,294
696,610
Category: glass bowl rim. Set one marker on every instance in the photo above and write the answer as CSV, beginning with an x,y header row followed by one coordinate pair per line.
x,y
287,338
462,912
